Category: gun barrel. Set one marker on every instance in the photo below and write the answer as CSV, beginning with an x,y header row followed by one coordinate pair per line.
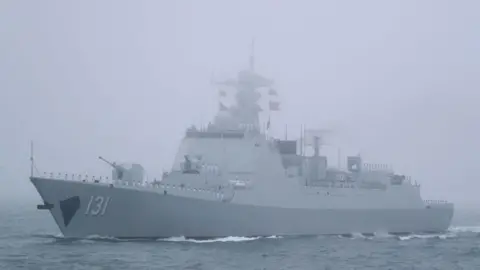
x,y
108,162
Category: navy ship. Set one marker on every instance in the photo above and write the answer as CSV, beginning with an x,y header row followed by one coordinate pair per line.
x,y
232,178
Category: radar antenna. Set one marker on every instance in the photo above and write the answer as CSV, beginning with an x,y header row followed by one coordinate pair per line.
x,y
32,164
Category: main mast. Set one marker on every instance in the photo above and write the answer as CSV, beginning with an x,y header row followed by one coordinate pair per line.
x,y
244,113
252,56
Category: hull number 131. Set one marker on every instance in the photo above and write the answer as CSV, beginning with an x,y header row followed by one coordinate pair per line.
x,y
97,206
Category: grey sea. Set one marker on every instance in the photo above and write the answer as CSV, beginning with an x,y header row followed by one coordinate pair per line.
x,y
29,239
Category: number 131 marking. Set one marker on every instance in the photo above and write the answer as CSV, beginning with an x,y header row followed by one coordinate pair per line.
x,y
97,205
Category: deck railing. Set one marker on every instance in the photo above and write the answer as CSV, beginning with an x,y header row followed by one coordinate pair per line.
x,y
217,191
436,202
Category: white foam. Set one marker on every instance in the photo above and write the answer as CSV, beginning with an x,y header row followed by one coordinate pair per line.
x,y
274,237
215,240
219,240
427,236
465,229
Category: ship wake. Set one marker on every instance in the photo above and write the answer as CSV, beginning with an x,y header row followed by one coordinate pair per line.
x,y
453,232
217,240
99,238
214,240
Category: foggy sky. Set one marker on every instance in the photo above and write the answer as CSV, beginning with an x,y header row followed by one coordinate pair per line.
x,y
396,80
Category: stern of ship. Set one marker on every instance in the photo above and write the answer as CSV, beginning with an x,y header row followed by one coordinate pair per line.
x,y
440,214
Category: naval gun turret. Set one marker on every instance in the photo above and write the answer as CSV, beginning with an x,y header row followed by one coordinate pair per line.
x,y
127,173
191,166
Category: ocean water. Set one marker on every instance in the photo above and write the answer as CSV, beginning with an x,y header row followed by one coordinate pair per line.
x,y
29,239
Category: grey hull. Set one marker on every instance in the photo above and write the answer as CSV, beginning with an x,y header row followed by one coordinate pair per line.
x,y
132,213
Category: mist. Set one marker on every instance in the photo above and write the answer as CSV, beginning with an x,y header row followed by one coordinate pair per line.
x,y
396,81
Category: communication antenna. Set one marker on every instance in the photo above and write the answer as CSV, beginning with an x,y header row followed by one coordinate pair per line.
x,y
339,157
31,159
252,55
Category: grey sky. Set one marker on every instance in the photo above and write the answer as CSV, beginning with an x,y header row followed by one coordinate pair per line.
x,y
123,79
